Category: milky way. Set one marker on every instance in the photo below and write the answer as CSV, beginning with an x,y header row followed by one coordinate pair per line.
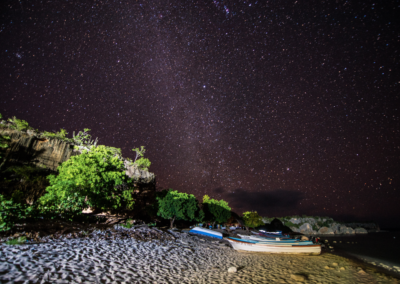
x,y
284,107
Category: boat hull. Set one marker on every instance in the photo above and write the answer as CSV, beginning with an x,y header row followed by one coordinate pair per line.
x,y
272,248
206,232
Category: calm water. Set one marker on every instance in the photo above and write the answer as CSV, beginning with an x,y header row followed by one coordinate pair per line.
x,y
382,247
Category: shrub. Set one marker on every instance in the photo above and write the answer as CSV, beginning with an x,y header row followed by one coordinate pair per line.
x,y
93,179
252,219
176,205
216,210
19,124
11,212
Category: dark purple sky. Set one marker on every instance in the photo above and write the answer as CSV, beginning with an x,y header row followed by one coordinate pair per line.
x,y
284,107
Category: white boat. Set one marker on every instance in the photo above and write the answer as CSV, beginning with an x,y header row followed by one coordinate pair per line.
x,y
276,240
206,232
273,248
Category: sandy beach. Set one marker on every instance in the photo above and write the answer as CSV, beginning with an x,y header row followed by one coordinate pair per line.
x,y
186,259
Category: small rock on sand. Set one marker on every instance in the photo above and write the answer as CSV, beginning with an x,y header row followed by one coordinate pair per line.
x,y
232,269
298,277
362,272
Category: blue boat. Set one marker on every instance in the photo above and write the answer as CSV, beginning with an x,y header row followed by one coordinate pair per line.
x,y
206,232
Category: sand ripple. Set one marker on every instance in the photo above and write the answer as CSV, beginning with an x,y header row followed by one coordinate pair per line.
x,y
186,260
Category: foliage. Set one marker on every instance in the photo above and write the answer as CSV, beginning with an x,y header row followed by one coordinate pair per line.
x,y
3,141
252,219
179,206
217,210
18,241
93,179
11,212
19,124
128,224
290,224
143,164
58,135
83,138
139,152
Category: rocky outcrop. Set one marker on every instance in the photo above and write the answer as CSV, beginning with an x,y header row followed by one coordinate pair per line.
x,y
343,230
323,225
307,229
370,227
29,149
360,231
326,231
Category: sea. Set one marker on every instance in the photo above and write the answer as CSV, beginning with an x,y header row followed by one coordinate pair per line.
x,y
381,249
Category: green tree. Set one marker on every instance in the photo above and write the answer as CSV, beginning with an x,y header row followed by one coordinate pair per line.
x,y
142,163
216,210
96,179
252,219
176,205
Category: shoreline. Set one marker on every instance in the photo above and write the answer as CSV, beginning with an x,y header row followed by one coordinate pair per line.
x,y
185,259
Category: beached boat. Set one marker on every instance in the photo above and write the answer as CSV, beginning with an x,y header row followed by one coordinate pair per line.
x,y
242,245
277,240
206,232
271,236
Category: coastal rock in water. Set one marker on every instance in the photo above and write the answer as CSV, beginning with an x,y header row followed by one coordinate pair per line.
x,y
306,228
326,231
360,231
370,227
335,227
345,230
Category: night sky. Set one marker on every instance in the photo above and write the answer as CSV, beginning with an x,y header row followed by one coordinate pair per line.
x,y
283,107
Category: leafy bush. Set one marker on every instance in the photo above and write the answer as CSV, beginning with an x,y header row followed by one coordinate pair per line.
x,y
252,219
58,135
11,212
83,138
93,179
19,124
176,205
143,164
3,141
216,210
128,224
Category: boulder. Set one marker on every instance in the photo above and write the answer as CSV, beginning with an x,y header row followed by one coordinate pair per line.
x,y
296,220
335,226
326,231
306,228
343,230
294,229
360,231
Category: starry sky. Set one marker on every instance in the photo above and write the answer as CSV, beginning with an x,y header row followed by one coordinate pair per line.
x,y
283,107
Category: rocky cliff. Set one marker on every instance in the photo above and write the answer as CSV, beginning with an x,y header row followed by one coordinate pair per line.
x,y
28,148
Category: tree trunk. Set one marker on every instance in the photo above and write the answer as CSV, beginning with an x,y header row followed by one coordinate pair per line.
x,y
213,224
172,222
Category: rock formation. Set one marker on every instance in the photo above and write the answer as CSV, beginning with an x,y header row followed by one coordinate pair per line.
x,y
29,149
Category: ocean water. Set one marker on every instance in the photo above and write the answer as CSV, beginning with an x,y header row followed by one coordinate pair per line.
x,y
381,249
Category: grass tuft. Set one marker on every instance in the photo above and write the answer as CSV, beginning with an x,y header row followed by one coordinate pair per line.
x,y
19,241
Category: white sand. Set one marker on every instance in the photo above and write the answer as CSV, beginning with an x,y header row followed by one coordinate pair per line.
x,y
186,260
